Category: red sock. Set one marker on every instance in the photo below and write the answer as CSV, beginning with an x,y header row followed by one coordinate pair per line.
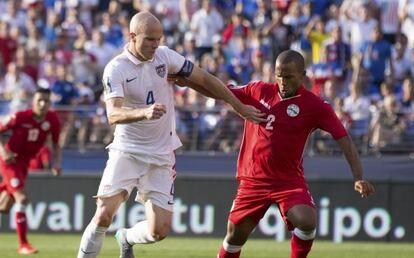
x,y
21,227
300,248
224,254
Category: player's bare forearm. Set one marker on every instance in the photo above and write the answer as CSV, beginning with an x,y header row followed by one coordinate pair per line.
x,y
124,115
351,155
361,185
216,87
184,82
57,159
117,114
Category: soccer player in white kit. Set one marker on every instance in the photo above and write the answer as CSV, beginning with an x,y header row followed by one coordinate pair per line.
x,y
139,100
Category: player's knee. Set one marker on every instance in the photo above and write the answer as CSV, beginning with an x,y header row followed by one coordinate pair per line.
x,y
160,233
103,218
21,198
306,225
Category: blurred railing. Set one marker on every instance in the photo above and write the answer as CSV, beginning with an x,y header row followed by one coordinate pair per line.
x,y
214,130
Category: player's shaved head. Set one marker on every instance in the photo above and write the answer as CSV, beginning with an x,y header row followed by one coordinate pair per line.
x,y
291,56
145,32
141,21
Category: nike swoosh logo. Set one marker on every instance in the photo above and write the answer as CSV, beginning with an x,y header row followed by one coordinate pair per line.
x,y
86,252
130,80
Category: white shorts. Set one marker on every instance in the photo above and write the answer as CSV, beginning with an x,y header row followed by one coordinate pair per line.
x,y
152,175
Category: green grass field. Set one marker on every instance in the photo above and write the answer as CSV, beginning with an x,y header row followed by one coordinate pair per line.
x,y
65,246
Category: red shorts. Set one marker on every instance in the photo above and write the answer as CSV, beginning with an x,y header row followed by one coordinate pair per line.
x,y
14,174
252,201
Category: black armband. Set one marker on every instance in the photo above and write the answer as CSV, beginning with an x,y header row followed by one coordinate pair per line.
x,y
187,69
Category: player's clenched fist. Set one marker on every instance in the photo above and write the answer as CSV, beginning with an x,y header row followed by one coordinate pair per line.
x,y
155,111
364,188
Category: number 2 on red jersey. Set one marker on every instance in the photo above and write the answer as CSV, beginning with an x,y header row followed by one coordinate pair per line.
x,y
270,120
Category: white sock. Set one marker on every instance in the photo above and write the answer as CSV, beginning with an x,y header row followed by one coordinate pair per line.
x,y
91,242
139,234
304,235
231,248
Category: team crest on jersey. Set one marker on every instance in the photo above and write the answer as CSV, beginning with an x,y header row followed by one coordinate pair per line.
x,y
45,126
14,182
161,70
292,110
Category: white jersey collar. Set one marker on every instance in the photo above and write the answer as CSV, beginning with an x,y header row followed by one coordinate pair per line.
x,y
133,58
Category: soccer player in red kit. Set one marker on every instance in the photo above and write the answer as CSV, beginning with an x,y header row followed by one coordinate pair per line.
x,y
269,168
30,129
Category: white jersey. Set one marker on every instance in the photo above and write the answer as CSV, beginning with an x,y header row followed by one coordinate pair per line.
x,y
142,84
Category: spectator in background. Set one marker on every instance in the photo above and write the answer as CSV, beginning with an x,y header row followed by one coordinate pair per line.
x,y
242,59
388,125
70,24
359,23
387,15
374,57
8,45
262,16
316,34
28,64
101,131
407,96
401,63
206,23
329,93
100,49
356,104
14,15
35,42
337,54
189,47
280,34
238,26
406,14
64,95
18,88
111,30
51,29
84,67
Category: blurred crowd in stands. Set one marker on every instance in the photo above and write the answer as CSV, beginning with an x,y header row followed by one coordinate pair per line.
x,y
359,56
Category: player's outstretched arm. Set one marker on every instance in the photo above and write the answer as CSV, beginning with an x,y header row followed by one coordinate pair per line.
x,y
184,82
117,114
218,90
360,184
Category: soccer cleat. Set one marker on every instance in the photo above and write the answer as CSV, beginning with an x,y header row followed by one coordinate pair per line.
x,y
125,248
26,249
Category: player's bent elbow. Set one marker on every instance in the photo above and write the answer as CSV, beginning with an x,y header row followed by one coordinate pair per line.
x,y
112,119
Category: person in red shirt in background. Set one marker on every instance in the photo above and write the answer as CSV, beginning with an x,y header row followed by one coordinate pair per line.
x,y
29,131
269,168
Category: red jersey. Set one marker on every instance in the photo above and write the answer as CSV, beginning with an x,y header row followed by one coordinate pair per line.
x,y
272,152
29,135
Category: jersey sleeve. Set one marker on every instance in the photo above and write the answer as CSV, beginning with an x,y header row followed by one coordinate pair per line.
x,y
329,122
175,60
9,122
243,92
113,82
